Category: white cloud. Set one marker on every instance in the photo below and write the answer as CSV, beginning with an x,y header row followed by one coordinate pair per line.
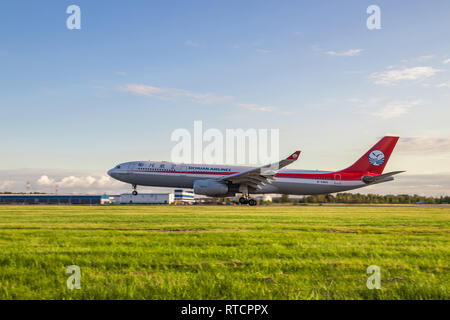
x,y
443,85
202,98
355,100
4,185
45,181
173,93
263,51
425,58
392,77
144,90
447,61
348,53
104,181
419,59
424,145
316,48
81,182
69,181
74,181
395,109
191,43
256,107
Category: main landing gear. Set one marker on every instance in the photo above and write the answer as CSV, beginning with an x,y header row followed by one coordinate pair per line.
x,y
134,193
246,200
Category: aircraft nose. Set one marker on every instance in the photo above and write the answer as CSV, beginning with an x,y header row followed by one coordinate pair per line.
x,y
111,173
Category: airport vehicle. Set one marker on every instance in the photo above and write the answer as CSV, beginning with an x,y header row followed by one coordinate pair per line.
x,y
226,180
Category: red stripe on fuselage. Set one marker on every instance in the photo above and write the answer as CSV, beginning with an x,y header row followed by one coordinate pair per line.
x,y
348,176
189,172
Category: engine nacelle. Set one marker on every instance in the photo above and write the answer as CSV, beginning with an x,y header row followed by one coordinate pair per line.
x,y
211,188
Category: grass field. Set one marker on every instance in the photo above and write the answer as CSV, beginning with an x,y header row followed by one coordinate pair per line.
x,y
202,252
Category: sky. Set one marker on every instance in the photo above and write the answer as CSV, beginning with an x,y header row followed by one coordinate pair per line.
x,y
75,103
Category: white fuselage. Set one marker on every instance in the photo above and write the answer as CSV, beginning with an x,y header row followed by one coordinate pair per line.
x,y
172,175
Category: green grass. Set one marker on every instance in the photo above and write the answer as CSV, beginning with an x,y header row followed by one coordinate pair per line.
x,y
166,252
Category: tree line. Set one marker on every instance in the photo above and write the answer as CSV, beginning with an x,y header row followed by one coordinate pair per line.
x,y
363,198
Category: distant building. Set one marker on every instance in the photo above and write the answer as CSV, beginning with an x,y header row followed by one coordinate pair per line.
x,y
144,198
178,196
184,196
105,199
68,199
264,197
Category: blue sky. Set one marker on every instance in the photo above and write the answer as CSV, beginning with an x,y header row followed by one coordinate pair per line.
x,y
81,101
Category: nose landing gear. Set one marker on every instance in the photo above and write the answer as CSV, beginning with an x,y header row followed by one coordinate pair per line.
x,y
134,193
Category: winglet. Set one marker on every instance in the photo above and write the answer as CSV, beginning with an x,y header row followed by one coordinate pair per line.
x,y
294,156
266,173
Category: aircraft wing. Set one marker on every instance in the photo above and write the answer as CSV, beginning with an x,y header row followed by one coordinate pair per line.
x,y
257,177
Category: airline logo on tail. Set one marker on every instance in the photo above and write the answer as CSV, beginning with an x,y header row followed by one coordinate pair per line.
x,y
377,158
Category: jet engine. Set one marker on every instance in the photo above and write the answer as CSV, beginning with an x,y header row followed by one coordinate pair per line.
x,y
211,188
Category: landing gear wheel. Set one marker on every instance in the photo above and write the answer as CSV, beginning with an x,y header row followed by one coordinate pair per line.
x,y
134,193
243,200
252,202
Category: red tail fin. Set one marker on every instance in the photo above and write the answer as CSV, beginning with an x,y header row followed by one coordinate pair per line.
x,y
376,158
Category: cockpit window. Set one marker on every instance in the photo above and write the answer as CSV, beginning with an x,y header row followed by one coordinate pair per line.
x,y
118,167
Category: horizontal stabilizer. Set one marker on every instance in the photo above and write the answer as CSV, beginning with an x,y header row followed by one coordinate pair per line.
x,y
380,178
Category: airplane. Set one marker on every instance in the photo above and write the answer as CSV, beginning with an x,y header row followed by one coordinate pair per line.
x,y
227,180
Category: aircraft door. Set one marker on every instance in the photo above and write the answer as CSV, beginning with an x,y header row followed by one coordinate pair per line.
x,y
337,179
